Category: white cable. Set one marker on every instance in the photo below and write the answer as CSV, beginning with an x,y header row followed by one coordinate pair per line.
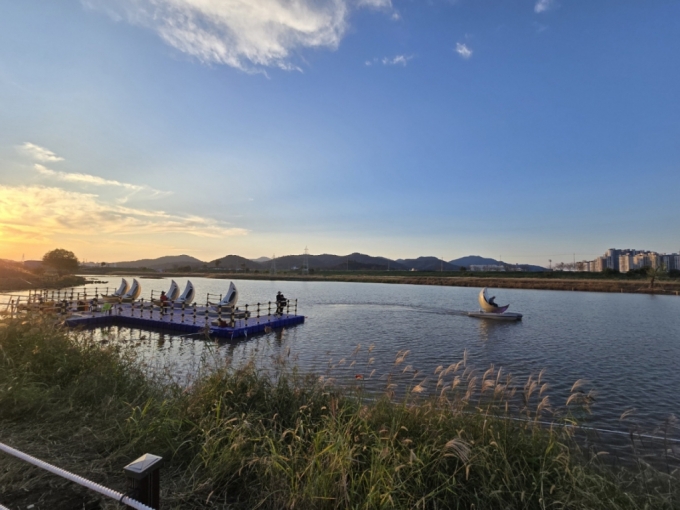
x,y
121,498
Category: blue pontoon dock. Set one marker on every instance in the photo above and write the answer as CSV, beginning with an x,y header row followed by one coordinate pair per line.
x,y
184,321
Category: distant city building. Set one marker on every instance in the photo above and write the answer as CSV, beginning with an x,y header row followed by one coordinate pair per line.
x,y
496,268
626,263
612,257
32,264
629,260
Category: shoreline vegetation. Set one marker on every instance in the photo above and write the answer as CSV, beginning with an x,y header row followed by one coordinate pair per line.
x,y
585,282
13,277
252,437
14,284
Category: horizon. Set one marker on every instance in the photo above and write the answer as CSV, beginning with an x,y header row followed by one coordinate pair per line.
x,y
528,130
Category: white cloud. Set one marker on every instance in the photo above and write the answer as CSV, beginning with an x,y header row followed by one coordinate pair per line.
x,y
463,50
402,60
397,60
246,34
42,154
378,4
84,178
544,5
39,153
38,213
94,180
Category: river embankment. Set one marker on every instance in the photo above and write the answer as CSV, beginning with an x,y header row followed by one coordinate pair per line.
x,y
632,286
238,436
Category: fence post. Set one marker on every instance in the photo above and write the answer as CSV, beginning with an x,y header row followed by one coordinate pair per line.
x,y
183,304
296,307
194,312
245,317
144,480
258,313
287,306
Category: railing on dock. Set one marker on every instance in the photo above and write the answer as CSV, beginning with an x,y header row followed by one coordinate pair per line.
x,y
80,304
143,479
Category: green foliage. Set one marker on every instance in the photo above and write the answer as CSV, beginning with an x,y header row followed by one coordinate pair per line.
x,y
245,437
62,261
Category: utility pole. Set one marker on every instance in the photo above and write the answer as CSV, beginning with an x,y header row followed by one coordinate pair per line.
x,y
305,262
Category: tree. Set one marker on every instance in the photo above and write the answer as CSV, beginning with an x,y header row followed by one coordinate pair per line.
x,y
654,273
62,261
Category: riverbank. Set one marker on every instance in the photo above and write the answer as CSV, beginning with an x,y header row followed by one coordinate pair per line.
x,y
538,281
243,437
31,282
595,285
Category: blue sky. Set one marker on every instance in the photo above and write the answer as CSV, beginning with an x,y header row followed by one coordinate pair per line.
x,y
526,129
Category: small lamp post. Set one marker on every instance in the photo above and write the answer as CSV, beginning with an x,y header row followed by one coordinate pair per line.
x,y
144,480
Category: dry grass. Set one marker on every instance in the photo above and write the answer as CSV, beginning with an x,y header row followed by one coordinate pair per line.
x,y
511,282
248,437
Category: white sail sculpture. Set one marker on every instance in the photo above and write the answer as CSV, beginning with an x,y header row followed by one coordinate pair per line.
x,y
229,300
172,294
490,310
488,305
187,296
133,293
119,293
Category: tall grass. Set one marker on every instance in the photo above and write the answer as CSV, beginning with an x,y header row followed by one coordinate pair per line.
x,y
249,437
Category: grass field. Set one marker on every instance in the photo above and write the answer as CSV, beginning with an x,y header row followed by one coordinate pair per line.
x,y
245,437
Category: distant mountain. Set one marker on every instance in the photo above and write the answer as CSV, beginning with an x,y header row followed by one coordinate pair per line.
x,y
165,263
235,262
353,261
337,262
428,264
476,260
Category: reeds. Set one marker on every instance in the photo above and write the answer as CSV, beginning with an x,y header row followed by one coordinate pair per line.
x,y
252,437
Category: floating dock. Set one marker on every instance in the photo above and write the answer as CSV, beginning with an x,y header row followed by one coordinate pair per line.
x,y
187,321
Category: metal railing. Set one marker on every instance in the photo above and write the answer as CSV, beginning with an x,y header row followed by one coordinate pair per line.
x,y
142,474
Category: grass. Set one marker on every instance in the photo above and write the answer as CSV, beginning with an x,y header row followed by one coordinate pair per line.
x,y
248,437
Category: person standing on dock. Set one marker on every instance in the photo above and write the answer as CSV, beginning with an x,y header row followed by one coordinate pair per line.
x,y
280,303
164,301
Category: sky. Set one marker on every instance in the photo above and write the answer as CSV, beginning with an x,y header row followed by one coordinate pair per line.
x,y
527,130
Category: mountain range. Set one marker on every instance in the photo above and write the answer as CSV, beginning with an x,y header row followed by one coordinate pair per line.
x,y
353,261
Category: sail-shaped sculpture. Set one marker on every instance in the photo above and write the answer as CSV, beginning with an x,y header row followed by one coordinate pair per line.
x,y
133,293
490,310
187,296
119,293
230,298
488,306
173,291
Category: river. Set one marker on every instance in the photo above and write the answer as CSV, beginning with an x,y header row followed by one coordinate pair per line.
x,y
625,346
